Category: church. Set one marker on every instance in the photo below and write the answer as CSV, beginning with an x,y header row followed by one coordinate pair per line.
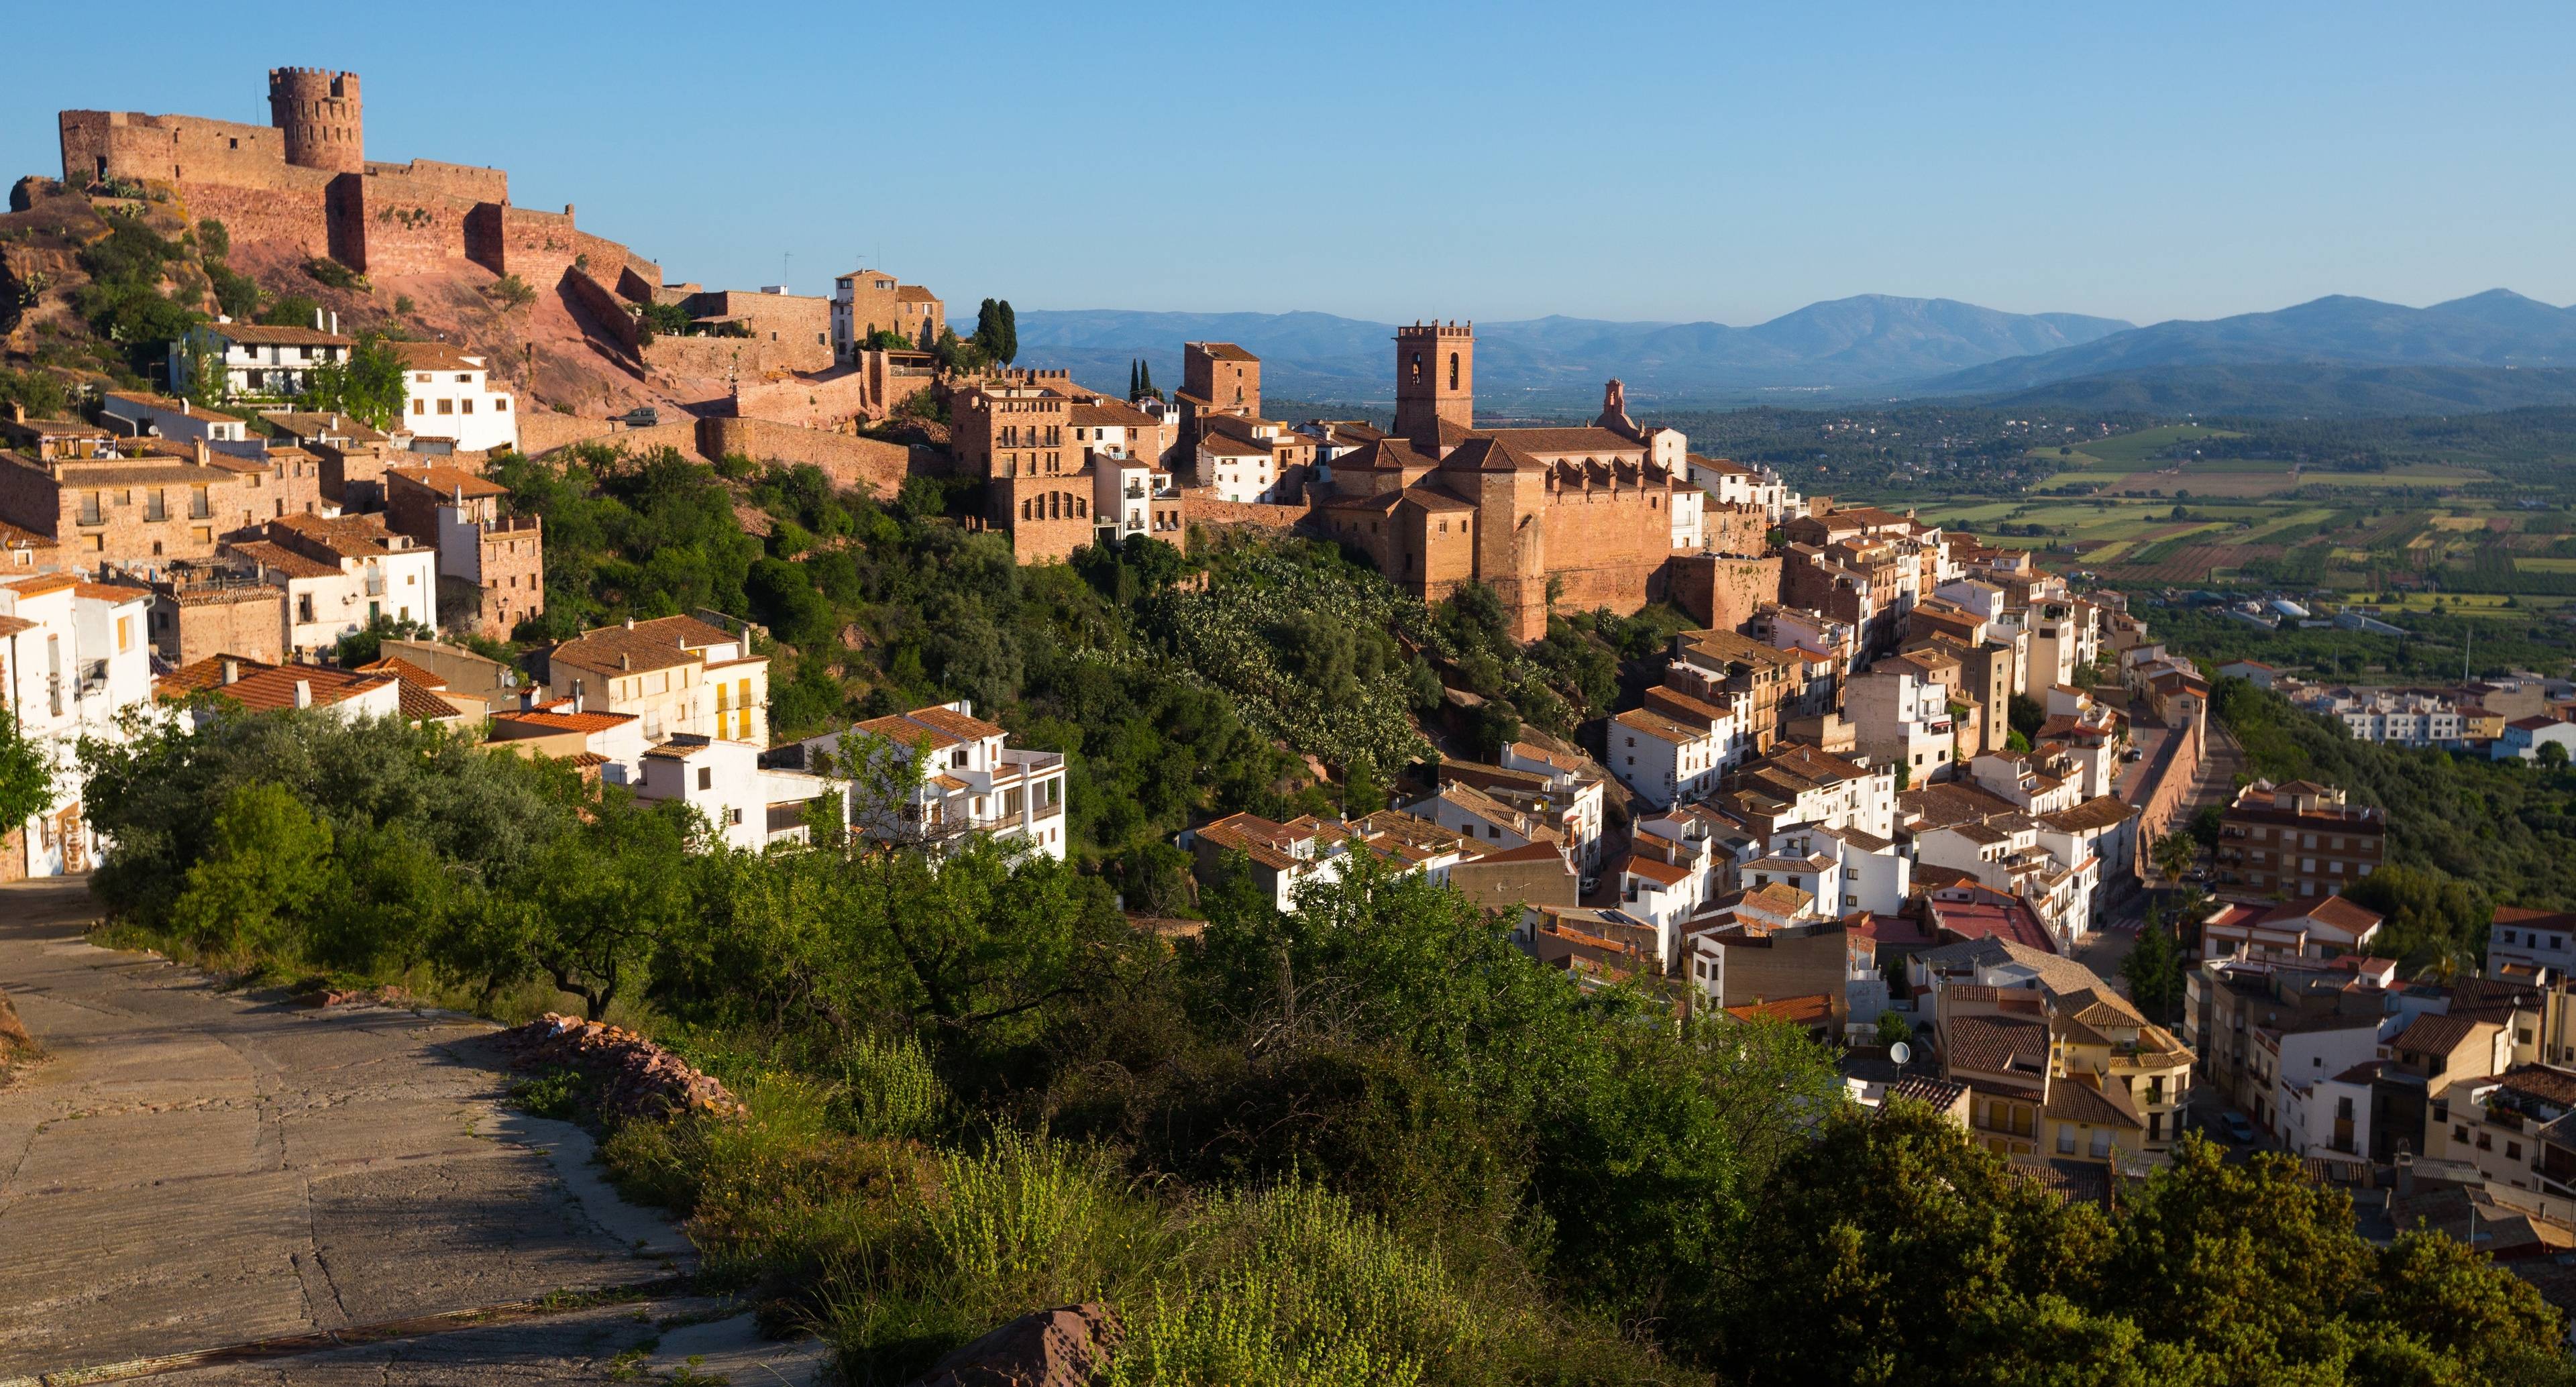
x,y
1564,518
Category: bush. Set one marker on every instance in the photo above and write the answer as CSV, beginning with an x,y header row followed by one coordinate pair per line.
x,y
331,272
511,292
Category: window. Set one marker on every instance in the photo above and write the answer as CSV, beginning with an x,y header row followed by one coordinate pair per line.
x,y
2065,1140
124,634
2101,1143
447,406
706,777
419,405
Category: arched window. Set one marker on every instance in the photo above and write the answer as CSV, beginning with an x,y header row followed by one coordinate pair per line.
x,y
1453,370
1417,368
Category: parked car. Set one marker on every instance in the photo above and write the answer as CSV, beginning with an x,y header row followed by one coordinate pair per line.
x,y
2133,754
2239,1130
642,417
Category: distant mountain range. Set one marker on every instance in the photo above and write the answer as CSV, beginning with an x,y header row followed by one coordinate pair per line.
x,y
2333,355
1871,340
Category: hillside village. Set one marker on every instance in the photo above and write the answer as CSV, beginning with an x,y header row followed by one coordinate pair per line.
x,y
1887,784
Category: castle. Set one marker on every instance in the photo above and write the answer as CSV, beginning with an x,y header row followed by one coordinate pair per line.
x,y
1570,518
304,180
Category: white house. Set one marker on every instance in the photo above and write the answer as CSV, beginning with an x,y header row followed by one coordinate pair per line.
x,y
1900,716
2254,672
2524,737
970,782
1845,869
147,415
1124,488
617,739
2531,946
73,657
745,805
342,572
1282,858
451,397
258,361
2298,1051
1664,760
1239,469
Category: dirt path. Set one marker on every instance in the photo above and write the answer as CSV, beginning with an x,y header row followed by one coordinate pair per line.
x,y
193,1169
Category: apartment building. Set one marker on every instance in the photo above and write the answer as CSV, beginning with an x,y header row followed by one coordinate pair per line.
x,y
1735,671
1797,785
2297,839
224,606
677,674
452,399
1665,761
1900,714
2537,947
2510,1125
135,502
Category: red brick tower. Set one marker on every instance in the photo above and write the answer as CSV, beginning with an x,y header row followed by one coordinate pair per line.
x,y
320,115
1435,381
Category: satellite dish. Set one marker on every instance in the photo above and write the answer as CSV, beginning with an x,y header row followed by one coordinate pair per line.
x,y
1900,1052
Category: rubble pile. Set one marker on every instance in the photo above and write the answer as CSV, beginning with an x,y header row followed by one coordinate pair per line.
x,y
635,1077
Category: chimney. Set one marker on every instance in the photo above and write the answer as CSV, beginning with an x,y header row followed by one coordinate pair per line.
x,y
335,322
576,695
317,319
303,693
630,623
201,452
625,661
232,670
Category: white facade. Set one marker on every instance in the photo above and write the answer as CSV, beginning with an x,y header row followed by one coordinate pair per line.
x,y
73,657
1665,761
1123,491
2524,737
2531,946
451,397
156,416
970,781
1901,717
258,361
744,805
326,600
1240,471
1844,869
2300,1059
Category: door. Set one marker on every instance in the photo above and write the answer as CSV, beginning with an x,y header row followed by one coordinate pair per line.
x,y
67,831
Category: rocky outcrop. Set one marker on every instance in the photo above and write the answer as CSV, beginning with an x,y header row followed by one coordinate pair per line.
x,y
634,1076
1065,1347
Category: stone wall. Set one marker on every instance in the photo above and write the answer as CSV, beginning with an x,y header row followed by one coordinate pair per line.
x,y
1202,506
1732,529
2169,795
607,315
297,217
542,431
872,465
732,358
810,402
249,622
1722,592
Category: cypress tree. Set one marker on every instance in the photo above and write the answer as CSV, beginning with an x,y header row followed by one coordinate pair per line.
x,y
1009,324
1132,381
1145,380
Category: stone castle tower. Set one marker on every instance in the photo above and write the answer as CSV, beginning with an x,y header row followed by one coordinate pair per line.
x,y
1435,381
320,115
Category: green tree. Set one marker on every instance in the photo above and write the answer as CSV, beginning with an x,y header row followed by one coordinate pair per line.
x,y
2552,756
2154,970
1894,1029
2175,853
593,909
366,645
996,332
511,291
371,385
267,860
26,775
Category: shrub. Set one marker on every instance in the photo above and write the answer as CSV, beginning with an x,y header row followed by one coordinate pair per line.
x,y
512,291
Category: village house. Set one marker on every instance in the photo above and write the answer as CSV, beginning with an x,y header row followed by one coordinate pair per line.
x,y
937,774
74,657
2297,839
491,566
744,805
342,574
677,674
257,361
451,398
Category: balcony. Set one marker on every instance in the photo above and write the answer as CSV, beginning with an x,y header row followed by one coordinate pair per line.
x,y
375,582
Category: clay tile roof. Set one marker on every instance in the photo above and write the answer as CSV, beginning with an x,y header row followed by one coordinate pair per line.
x,y
1653,869
283,559
914,293
1998,1045
405,669
2544,1082
149,400
1805,1011
351,536
2435,1035
955,724
2101,811
1585,440
1225,351
264,687
421,703
1111,414
1227,834
2339,911
660,643
1657,726
588,720
447,481
2073,1101
44,583
262,335
433,356
1224,445
13,625
1923,1088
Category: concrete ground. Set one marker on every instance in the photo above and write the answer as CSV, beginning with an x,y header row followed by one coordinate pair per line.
x,y
193,1170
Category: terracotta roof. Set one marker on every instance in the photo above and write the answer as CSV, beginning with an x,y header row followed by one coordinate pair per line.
x,y
2544,1082
350,536
421,703
1924,1088
262,335
2071,1100
1224,351
401,668
1233,835
44,583
264,687
1997,1044
171,405
283,559
433,356
1659,727
2099,812
2435,1035
1654,869
1585,441
661,643
1111,414
585,721
955,724
1810,1010
13,625
1223,445
2341,912
447,481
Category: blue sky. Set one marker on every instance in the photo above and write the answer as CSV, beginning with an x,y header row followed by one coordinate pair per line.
x,y
1392,160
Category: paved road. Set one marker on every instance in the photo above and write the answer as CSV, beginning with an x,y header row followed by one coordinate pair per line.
x,y
193,1169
